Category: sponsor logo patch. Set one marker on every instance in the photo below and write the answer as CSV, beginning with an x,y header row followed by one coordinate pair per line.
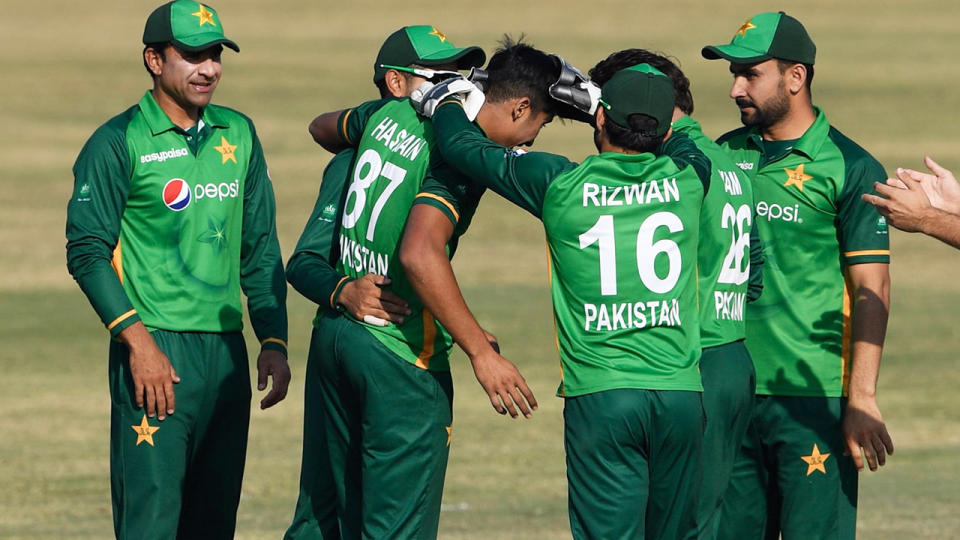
x,y
176,194
164,155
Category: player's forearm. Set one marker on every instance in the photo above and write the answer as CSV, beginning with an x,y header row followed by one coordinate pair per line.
x,y
432,278
324,131
315,278
943,226
99,282
871,307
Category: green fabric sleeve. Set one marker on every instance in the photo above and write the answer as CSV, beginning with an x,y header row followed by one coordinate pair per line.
x,y
261,267
312,267
683,151
352,122
101,187
863,234
520,177
755,281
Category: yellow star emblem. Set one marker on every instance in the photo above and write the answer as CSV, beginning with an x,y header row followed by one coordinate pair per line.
x,y
226,150
746,26
449,434
815,461
204,15
144,432
796,177
439,34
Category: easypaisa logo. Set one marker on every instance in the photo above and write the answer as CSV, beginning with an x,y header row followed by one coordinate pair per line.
x,y
177,193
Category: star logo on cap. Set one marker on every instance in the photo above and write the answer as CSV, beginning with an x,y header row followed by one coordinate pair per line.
x,y
204,15
815,461
439,34
796,177
746,26
145,432
226,150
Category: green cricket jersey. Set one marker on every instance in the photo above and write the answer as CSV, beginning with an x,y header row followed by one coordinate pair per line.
x,y
622,237
730,256
393,158
167,225
814,226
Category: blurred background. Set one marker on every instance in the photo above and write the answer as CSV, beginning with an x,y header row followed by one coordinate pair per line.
x,y
886,75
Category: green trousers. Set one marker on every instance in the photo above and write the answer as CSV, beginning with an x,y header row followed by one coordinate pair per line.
x,y
791,479
180,477
388,426
315,516
632,463
729,384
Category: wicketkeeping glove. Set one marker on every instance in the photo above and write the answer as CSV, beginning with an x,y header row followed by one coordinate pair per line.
x,y
428,95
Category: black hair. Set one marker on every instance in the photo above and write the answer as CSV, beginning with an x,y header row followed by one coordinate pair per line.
x,y
604,70
517,69
784,65
161,49
631,137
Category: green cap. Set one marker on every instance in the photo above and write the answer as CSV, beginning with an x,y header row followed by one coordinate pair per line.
x,y
190,26
765,36
639,89
425,46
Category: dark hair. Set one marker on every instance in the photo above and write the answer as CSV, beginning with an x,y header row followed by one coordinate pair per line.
x,y
604,70
517,70
631,137
784,65
161,49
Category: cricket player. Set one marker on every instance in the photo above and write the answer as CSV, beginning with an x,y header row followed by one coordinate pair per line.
x,y
816,333
729,275
622,235
921,202
312,268
171,216
387,390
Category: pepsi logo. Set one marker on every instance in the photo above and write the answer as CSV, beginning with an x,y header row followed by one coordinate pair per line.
x,y
176,194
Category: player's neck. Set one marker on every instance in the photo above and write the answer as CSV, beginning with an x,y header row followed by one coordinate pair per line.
x,y
793,125
184,117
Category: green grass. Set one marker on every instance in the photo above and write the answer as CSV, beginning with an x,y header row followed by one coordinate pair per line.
x,y
886,75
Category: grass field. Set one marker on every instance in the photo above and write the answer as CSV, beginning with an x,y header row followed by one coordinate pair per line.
x,y
886,75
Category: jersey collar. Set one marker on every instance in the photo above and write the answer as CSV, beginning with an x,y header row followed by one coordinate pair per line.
x,y
159,122
809,143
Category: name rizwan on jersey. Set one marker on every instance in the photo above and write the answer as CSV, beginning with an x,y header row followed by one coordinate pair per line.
x,y
362,259
659,191
400,142
620,316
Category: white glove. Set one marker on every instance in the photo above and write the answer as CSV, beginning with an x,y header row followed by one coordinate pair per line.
x,y
594,92
428,95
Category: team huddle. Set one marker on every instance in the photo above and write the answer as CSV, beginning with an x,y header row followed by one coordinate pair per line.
x,y
720,306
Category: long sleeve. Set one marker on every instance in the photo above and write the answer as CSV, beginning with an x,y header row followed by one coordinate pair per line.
x,y
94,213
522,178
311,269
261,267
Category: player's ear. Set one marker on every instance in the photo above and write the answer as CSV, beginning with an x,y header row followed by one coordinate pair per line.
x,y
153,60
521,107
395,83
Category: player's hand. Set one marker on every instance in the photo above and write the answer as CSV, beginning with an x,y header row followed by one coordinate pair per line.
x,y
428,96
503,384
940,187
906,208
367,300
863,428
272,363
153,376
